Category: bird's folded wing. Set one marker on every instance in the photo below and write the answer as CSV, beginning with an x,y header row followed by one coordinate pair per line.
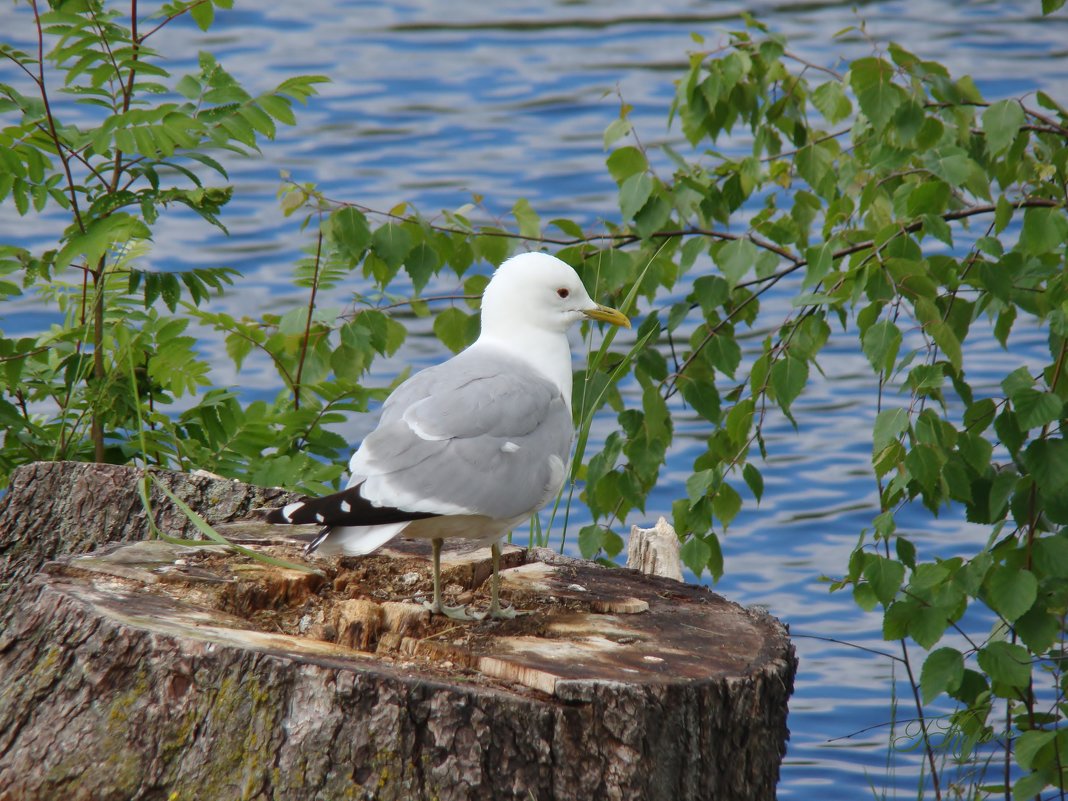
x,y
483,436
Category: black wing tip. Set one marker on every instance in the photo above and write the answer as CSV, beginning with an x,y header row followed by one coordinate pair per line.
x,y
276,516
345,508
310,548
280,515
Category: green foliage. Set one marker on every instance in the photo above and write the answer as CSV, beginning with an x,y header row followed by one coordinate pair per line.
x,y
144,141
906,215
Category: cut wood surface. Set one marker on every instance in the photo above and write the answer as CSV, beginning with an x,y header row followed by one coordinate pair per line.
x,y
144,670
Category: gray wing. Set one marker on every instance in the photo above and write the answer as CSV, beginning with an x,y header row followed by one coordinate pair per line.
x,y
479,434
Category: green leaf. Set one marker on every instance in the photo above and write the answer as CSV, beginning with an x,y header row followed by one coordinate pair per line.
x,y
1047,460
1010,591
1016,381
1035,409
695,553
724,353
1044,230
1049,6
569,227
929,197
831,100
906,551
1051,556
872,80
203,14
527,218
710,292
657,416
170,290
896,617
454,328
1027,746
815,165
281,108
349,229
881,343
698,485
421,262
927,625
754,480
942,672
653,216
735,259
392,244
979,415
702,396
1003,214
1001,123
1038,629
924,464
890,424
616,130
946,339
864,597
634,193
788,377
885,576
493,246
589,541
726,504
952,165
1006,663
101,235
624,162
740,421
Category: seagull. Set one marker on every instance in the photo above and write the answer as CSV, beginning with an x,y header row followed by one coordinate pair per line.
x,y
473,446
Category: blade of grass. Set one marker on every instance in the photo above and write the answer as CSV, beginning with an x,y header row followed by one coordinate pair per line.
x,y
206,529
201,524
587,411
584,431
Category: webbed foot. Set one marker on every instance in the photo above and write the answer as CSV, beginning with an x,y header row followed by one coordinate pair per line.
x,y
451,612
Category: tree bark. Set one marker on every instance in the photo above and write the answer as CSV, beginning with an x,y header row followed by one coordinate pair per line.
x,y
151,671
57,508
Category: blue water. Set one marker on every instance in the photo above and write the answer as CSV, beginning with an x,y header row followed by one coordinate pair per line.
x,y
432,103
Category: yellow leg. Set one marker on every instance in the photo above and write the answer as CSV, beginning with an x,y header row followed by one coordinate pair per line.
x,y
436,606
495,610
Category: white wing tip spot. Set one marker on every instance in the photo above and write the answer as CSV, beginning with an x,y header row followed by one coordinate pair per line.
x,y
509,447
346,506
319,518
289,509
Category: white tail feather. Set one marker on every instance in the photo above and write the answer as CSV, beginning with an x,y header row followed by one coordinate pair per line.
x,y
359,540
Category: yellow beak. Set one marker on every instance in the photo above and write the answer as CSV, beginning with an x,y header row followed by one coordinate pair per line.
x,y
606,314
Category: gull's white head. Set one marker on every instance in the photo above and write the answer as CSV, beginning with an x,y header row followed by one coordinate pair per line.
x,y
539,291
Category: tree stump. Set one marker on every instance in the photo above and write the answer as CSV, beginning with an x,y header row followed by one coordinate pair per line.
x,y
144,670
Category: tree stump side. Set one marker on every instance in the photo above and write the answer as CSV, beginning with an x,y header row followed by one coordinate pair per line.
x,y
138,672
57,508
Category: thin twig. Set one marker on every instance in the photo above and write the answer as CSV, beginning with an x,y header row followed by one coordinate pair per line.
x,y
171,17
308,322
52,131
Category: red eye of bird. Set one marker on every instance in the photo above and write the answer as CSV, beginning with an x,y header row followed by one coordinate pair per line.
x,y
562,292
